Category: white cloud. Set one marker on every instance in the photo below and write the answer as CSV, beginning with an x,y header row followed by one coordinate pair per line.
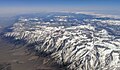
x,y
7,11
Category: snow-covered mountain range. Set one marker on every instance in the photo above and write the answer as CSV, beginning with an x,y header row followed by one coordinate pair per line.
x,y
79,41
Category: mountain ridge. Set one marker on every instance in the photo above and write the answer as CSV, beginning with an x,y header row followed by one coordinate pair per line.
x,y
81,42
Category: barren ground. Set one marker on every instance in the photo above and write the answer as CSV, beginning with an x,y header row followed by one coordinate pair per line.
x,y
13,58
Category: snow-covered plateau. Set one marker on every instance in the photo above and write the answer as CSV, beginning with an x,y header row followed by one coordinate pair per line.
x,y
78,41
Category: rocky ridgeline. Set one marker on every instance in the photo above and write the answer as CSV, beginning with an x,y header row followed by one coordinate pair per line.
x,y
81,47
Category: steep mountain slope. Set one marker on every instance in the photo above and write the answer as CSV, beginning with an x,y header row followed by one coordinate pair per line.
x,y
79,41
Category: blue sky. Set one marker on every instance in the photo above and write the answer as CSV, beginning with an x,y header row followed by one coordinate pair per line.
x,y
25,6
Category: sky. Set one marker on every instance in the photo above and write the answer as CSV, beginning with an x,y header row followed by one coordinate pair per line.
x,y
12,7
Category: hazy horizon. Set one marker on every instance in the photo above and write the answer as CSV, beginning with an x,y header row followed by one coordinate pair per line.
x,y
13,7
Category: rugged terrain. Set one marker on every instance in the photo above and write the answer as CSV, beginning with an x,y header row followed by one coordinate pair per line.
x,y
17,57
75,40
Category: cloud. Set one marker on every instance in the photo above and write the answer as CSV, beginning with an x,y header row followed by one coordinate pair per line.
x,y
8,11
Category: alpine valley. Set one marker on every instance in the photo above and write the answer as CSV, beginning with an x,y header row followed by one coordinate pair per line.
x,y
76,40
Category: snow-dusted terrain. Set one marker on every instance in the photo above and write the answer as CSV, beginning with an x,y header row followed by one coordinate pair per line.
x,y
79,41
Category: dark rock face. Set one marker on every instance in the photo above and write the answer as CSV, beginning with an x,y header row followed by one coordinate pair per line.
x,y
17,57
5,66
79,43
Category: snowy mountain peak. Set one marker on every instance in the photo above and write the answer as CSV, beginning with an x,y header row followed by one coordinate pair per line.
x,y
83,44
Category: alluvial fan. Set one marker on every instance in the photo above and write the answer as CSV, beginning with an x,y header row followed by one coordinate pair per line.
x,y
79,41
